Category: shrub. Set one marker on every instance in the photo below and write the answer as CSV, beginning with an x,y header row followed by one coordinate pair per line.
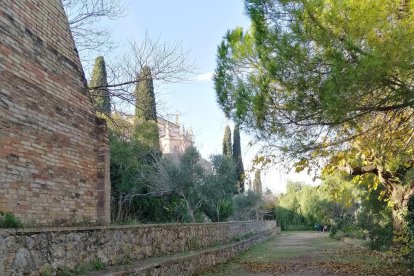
x,y
349,231
8,220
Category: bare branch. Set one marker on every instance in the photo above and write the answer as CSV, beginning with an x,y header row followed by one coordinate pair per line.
x,y
84,16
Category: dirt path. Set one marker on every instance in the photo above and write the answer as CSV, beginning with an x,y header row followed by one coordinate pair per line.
x,y
308,253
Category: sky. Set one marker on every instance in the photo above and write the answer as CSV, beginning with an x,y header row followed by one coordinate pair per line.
x,y
199,26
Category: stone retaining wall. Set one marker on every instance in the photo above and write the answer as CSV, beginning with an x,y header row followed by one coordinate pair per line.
x,y
34,250
193,263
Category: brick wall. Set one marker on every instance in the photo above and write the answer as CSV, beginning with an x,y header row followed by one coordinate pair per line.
x,y
54,154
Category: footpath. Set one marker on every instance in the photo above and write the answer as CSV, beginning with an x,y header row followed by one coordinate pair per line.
x,y
309,253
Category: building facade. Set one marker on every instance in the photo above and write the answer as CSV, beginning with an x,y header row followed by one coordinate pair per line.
x,y
174,138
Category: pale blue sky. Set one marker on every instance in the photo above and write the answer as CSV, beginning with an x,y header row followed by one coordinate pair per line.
x,y
199,26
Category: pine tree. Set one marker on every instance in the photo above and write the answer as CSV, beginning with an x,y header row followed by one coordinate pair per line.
x,y
238,158
257,183
146,127
227,150
100,96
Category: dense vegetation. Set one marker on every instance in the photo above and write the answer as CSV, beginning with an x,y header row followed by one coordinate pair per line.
x,y
323,85
328,85
148,187
345,209
153,188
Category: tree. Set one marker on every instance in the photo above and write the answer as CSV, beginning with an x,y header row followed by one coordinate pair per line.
x,y
145,111
219,188
257,183
185,178
247,206
237,156
145,107
166,63
129,170
84,17
227,147
139,179
319,82
100,97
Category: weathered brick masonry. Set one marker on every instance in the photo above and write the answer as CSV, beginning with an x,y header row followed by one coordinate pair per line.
x,y
54,154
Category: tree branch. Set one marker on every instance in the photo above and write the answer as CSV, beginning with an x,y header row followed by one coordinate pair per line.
x,y
359,170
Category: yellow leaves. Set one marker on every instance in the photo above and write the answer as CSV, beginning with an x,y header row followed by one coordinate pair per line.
x,y
328,170
301,165
339,189
407,165
357,179
369,180
262,160
382,195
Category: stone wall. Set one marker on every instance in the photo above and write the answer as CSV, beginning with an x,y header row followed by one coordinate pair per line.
x,y
34,251
191,263
54,154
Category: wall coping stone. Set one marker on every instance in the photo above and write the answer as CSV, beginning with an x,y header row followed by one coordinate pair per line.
x,y
111,227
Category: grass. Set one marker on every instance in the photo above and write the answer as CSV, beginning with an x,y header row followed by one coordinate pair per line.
x,y
298,252
83,268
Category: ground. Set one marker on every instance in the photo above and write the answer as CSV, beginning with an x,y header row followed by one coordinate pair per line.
x,y
309,253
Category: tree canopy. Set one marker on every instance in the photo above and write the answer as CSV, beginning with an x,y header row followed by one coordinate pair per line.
x,y
327,82
100,97
145,97
146,129
308,73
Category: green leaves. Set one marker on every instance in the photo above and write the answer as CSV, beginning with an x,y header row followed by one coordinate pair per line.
x,y
145,97
145,111
237,157
307,68
100,95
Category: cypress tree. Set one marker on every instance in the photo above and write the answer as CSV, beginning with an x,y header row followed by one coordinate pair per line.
x,y
238,158
100,96
146,127
145,109
227,150
257,182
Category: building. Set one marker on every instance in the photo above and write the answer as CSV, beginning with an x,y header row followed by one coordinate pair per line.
x,y
174,138
54,151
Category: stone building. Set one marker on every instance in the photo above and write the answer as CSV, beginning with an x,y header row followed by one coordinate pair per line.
x,y
174,138
54,153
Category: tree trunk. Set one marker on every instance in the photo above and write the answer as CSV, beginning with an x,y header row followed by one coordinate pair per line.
x,y
191,215
119,211
190,211
400,197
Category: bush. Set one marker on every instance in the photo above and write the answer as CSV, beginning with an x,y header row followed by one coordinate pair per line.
x,y
247,206
380,237
349,231
8,220
298,228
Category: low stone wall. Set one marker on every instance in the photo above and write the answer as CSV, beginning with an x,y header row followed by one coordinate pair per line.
x,y
192,263
39,250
